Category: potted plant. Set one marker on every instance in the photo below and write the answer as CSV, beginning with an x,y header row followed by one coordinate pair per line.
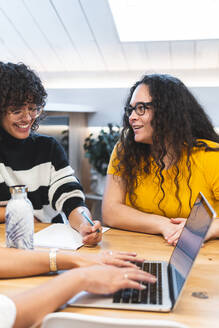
x,y
98,150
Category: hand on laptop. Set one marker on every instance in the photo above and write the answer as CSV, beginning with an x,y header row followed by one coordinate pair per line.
x,y
107,279
173,230
119,259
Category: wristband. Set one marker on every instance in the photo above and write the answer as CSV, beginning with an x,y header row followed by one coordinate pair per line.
x,y
52,260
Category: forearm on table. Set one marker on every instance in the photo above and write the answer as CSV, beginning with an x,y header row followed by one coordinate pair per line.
x,y
125,217
2,214
214,230
32,307
20,263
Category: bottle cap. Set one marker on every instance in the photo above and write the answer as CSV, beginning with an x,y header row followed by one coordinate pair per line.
x,y
18,189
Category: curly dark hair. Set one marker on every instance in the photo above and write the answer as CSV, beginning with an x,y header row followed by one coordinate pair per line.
x,y
18,85
178,120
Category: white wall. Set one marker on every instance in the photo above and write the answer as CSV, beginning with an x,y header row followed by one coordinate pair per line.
x,y
208,97
109,102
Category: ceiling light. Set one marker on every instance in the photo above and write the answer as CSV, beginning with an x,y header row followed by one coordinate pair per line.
x,y
164,20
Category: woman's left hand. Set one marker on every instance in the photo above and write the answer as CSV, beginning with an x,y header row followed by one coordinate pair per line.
x,y
119,259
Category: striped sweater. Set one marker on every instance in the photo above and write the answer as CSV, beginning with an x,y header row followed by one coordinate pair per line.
x,y
40,163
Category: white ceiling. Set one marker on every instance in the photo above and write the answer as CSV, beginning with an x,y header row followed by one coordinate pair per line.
x,y
74,43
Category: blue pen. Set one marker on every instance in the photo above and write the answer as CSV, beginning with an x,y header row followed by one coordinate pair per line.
x,y
88,219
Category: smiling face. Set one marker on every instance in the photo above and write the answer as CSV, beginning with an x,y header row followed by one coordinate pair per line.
x,y
141,125
18,122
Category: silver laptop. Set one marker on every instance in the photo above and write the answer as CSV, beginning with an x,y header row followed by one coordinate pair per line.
x,y
171,277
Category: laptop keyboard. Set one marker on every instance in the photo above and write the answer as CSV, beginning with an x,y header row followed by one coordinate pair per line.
x,y
151,295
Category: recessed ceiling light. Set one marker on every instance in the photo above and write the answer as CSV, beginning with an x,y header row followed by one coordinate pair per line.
x,y
164,20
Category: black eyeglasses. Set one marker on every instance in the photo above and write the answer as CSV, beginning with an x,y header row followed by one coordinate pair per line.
x,y
139,108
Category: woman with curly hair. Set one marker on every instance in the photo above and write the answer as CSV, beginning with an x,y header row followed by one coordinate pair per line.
x,y
168,152
34,160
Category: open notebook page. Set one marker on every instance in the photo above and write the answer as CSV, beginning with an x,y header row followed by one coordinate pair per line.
x,y
59,235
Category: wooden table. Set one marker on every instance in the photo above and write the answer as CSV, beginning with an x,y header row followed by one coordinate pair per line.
x,y
192,311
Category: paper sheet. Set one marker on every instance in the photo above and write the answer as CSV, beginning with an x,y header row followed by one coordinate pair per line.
x,y
59,235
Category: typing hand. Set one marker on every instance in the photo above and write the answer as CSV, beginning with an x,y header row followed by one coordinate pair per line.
x,y
119,259
114,278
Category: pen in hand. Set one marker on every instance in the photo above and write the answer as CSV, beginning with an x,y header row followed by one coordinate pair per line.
x,y
88,219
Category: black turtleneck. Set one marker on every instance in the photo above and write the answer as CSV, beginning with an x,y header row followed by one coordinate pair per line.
x,y
39,162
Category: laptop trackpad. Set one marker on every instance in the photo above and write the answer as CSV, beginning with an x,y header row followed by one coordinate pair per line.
x,y
89,299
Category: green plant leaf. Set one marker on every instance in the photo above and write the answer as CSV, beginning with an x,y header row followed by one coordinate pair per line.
x,y
98,149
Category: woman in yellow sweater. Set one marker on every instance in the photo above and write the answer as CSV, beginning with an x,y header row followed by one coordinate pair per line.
x,y
167,153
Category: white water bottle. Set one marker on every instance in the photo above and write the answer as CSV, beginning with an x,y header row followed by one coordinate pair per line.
x,y
19,219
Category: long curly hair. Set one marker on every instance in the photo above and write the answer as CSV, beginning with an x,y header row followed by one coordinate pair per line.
x,y
178,121
19,85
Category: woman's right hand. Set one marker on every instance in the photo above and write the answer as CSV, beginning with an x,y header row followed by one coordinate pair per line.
x,y
107,279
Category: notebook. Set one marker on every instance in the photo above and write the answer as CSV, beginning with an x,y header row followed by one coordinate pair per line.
x,y
171,275
59,235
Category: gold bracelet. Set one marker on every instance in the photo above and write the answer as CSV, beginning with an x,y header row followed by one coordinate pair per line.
x,y
52,260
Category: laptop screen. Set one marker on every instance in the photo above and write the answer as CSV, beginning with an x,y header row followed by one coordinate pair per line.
x,y
189,244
